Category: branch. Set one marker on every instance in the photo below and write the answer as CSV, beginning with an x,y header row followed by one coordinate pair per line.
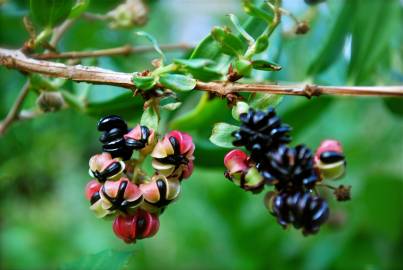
x,y
13,114
124,50
17,60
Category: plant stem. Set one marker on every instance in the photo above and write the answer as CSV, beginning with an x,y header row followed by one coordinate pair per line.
x,y
17,60
15,109
123,50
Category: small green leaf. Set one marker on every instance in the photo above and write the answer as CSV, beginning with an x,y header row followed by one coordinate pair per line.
x,y
229,43
153,42
199,68
265,65
243,67
150,118
258,12
50,13
263,101
241,30
79,8
222,135
194,63
207,48
178,82
144,82
261,43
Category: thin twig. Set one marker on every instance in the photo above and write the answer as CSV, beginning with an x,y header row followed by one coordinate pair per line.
x,y
15,109
59,31
123,50
14,113
17,60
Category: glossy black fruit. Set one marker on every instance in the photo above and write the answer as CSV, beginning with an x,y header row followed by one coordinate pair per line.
x,y
289,168
301,209
261,132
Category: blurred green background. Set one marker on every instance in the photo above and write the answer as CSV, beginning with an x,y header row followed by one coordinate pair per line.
x,y
45,222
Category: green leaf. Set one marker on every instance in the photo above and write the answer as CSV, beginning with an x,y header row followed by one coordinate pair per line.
x,y
199,68
258,12
265,65
261,44
79,8
207,48
144,82
370,38
222,135
241,30
50,13
334,42
153,42
263,101
177,82
150,118
194,63
108,259
229,43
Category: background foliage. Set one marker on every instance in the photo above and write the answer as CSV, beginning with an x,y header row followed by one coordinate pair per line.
x,y
45,221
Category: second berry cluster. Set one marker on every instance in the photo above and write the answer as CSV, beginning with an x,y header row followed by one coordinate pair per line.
x,y
294,172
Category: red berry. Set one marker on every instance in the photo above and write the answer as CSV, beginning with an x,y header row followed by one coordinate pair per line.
x,y
138,226
92,187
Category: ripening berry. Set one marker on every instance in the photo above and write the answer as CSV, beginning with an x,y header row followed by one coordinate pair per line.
x,y
140,225
114,128
330,160
301,209
173,156
121,195
241,172
289,168
141,138
159,192
261,132
104,167
92,194
236,161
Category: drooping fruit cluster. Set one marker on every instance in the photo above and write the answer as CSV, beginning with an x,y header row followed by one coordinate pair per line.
x,y
294,172
121,188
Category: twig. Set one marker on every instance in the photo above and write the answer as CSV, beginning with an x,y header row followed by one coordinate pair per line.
x,y
15,109
123,50
59,31
17,60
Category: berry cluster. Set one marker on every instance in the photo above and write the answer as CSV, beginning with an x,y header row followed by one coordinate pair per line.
x,y
120,187
294,172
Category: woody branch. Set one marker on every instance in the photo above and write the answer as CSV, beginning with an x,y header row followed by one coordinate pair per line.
x,y
15,59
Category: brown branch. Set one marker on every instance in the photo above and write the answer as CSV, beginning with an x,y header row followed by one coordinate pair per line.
x,y
123,50
13,114
17,60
